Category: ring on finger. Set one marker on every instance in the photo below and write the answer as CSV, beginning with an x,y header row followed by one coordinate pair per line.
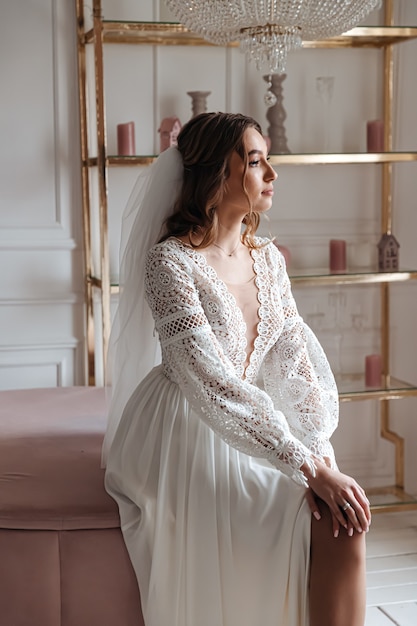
x,y
345,506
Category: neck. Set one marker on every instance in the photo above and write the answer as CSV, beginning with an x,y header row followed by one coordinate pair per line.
x,y
228,240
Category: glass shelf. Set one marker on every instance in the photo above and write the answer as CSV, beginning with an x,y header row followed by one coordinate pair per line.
x,y
390,499
145,159
344,157
170,33
352,387
367,37
316,277
322,276
287,159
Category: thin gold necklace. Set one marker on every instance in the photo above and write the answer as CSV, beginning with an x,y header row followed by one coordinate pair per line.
x,y
228,253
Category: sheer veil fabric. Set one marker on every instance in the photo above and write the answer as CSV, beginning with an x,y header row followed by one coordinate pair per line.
x,y
134,348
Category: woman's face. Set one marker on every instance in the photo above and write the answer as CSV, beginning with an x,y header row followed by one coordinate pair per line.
x,y
258,180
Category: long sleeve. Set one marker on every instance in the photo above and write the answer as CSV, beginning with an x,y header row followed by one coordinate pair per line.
x,y
239,412
299,380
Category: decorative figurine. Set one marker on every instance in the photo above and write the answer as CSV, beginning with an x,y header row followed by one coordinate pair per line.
x,y
388,256
169,129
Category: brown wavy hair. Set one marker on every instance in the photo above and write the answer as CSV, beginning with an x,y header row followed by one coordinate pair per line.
x,y
206,144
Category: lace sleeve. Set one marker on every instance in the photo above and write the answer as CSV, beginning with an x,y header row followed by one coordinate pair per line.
x,y
240,413
299,380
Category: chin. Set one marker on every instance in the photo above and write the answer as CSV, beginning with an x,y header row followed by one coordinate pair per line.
x,y
263,208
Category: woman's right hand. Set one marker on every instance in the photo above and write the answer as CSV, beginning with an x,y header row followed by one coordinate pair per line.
x,y
337,490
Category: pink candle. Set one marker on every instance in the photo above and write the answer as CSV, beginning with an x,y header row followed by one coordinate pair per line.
x,y
126,139
337,255
373,370
375,136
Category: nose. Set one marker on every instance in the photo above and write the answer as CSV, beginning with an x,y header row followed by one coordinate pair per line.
x,y
270,173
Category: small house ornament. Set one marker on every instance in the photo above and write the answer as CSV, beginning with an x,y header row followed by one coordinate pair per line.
x,y
388,255
168,131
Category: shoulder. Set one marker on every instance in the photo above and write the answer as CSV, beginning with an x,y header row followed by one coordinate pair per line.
x,y
270,253
170,251
167,263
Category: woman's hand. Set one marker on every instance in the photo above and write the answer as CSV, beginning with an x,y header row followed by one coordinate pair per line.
x,y
346,499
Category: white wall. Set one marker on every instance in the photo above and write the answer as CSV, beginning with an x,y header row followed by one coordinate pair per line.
x,y
41,294
41,283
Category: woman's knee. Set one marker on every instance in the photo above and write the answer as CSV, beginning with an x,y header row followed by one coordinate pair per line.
x,y
351,547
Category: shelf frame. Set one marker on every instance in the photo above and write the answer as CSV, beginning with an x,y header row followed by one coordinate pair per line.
x,y
352,278
175,34
147,33
85,191
348,158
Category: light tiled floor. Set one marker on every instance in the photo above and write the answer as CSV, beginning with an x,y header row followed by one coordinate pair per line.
x,y
392,570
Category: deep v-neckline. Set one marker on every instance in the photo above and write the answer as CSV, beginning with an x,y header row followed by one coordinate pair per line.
x,y
249,359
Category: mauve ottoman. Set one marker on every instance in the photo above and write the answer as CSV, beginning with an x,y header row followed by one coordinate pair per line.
x,y
63,561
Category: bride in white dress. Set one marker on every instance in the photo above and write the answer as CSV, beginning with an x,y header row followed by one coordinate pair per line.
x,y
232,507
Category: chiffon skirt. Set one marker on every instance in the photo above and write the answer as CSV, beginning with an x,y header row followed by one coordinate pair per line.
x,y
216,538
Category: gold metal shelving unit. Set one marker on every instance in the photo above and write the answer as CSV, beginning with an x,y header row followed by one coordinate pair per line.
x,y
98,278
293,159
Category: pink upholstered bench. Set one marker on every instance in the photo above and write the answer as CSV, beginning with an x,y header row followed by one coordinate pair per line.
x,y
62,557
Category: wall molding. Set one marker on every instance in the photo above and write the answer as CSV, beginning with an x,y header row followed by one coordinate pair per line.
x,y
45,299
57,220
9,242
62,344
43,365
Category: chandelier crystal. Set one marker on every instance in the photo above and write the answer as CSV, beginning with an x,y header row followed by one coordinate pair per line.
x,y
268,29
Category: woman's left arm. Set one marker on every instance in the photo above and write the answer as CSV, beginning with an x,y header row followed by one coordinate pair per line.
x,y
298,376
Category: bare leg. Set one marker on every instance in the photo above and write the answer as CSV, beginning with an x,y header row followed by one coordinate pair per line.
x,y
337,575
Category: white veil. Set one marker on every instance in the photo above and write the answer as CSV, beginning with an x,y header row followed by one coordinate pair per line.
x,y
134,347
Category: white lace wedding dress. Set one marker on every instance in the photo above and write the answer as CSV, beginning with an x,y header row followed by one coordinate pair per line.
x,y
205,462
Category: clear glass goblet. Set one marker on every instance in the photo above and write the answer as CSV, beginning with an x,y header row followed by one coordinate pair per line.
x,y
325,88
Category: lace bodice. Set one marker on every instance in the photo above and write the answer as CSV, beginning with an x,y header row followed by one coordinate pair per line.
x,y
284,405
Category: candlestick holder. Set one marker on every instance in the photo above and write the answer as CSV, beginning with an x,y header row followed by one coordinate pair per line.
x,y
276,114
358,320
315,320
198,101
337,301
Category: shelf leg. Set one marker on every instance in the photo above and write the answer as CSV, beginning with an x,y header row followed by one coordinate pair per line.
x,y
395,439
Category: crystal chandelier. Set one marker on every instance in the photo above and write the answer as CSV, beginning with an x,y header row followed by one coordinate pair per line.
x,y
268,29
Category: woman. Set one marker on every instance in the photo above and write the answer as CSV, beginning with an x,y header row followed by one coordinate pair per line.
x,y
232,507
